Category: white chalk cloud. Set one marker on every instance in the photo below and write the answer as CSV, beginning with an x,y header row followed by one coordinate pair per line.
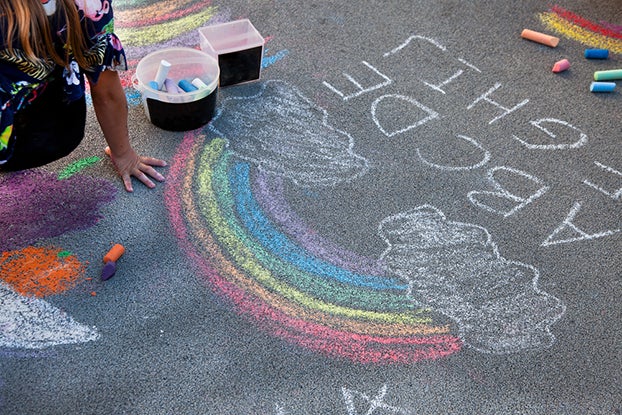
x,y
282,132
455,269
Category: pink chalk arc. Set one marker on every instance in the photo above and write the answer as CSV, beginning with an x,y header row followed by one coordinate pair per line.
x,y
231,267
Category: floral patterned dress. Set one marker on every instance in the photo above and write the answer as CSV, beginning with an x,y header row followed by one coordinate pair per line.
x,y
22,82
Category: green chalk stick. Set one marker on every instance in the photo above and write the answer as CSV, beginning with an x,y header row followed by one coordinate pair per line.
x,y
608,75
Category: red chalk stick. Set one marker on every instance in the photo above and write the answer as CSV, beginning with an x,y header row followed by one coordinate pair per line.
x,y
115,253
561,66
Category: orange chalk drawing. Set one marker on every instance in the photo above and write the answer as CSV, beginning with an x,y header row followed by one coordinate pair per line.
x,y
41,271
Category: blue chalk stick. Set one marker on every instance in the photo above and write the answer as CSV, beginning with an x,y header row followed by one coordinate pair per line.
x,y
186,86
596,53
602,86
154,85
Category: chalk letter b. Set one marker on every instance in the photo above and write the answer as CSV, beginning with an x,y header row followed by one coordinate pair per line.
x,y
504,202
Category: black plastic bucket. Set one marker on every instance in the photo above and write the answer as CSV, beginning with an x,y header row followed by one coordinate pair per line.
x,y
179,110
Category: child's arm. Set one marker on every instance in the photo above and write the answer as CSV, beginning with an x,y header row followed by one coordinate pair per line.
x,y
111,110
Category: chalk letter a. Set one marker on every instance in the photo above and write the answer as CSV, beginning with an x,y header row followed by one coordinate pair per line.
x,y
573,232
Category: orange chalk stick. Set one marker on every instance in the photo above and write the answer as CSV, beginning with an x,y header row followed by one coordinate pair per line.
x,y
545,39
115,253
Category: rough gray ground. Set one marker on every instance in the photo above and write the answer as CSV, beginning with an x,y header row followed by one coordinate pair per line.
x,y
515,246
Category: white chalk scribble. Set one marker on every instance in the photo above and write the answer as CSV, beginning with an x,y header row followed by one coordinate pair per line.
x,y
283,133
32,323
455,269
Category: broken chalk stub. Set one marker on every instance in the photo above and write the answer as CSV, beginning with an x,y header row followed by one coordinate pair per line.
x,y
115,253
109,270
171,87
538,37
602,86
561,66
110,261
198,83
186,86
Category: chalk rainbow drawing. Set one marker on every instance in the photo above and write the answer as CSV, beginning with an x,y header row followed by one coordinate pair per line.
x,y
254,250
573,26
300,290
146,26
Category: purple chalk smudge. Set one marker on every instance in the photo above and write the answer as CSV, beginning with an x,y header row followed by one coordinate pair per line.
x,y
34,204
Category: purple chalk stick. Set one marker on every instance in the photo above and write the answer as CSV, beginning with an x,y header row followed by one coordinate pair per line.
x,y
109,269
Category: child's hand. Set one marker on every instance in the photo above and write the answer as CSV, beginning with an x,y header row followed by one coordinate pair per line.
x,y
131,164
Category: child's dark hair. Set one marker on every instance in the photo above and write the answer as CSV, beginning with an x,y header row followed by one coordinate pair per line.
x,y
26,22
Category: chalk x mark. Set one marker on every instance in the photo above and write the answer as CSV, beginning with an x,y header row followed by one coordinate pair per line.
x,y
375,404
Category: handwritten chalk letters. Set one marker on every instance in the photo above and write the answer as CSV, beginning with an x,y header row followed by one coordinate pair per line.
x,y
548,134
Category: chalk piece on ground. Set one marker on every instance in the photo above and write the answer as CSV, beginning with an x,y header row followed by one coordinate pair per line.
x,y
602,86
198,83
115,253
561,66
609,75
171,87
596,53
538,37
109,270
187,86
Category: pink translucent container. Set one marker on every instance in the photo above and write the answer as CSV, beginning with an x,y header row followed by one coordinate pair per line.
x,y
237,46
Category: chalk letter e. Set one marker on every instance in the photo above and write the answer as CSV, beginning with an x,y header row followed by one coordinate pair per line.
x,y
360,88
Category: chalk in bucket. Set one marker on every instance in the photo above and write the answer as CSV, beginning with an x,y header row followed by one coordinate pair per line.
x,y
177,110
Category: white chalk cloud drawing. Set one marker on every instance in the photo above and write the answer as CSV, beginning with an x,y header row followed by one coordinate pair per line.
x,y
282,132
32,323
455,269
